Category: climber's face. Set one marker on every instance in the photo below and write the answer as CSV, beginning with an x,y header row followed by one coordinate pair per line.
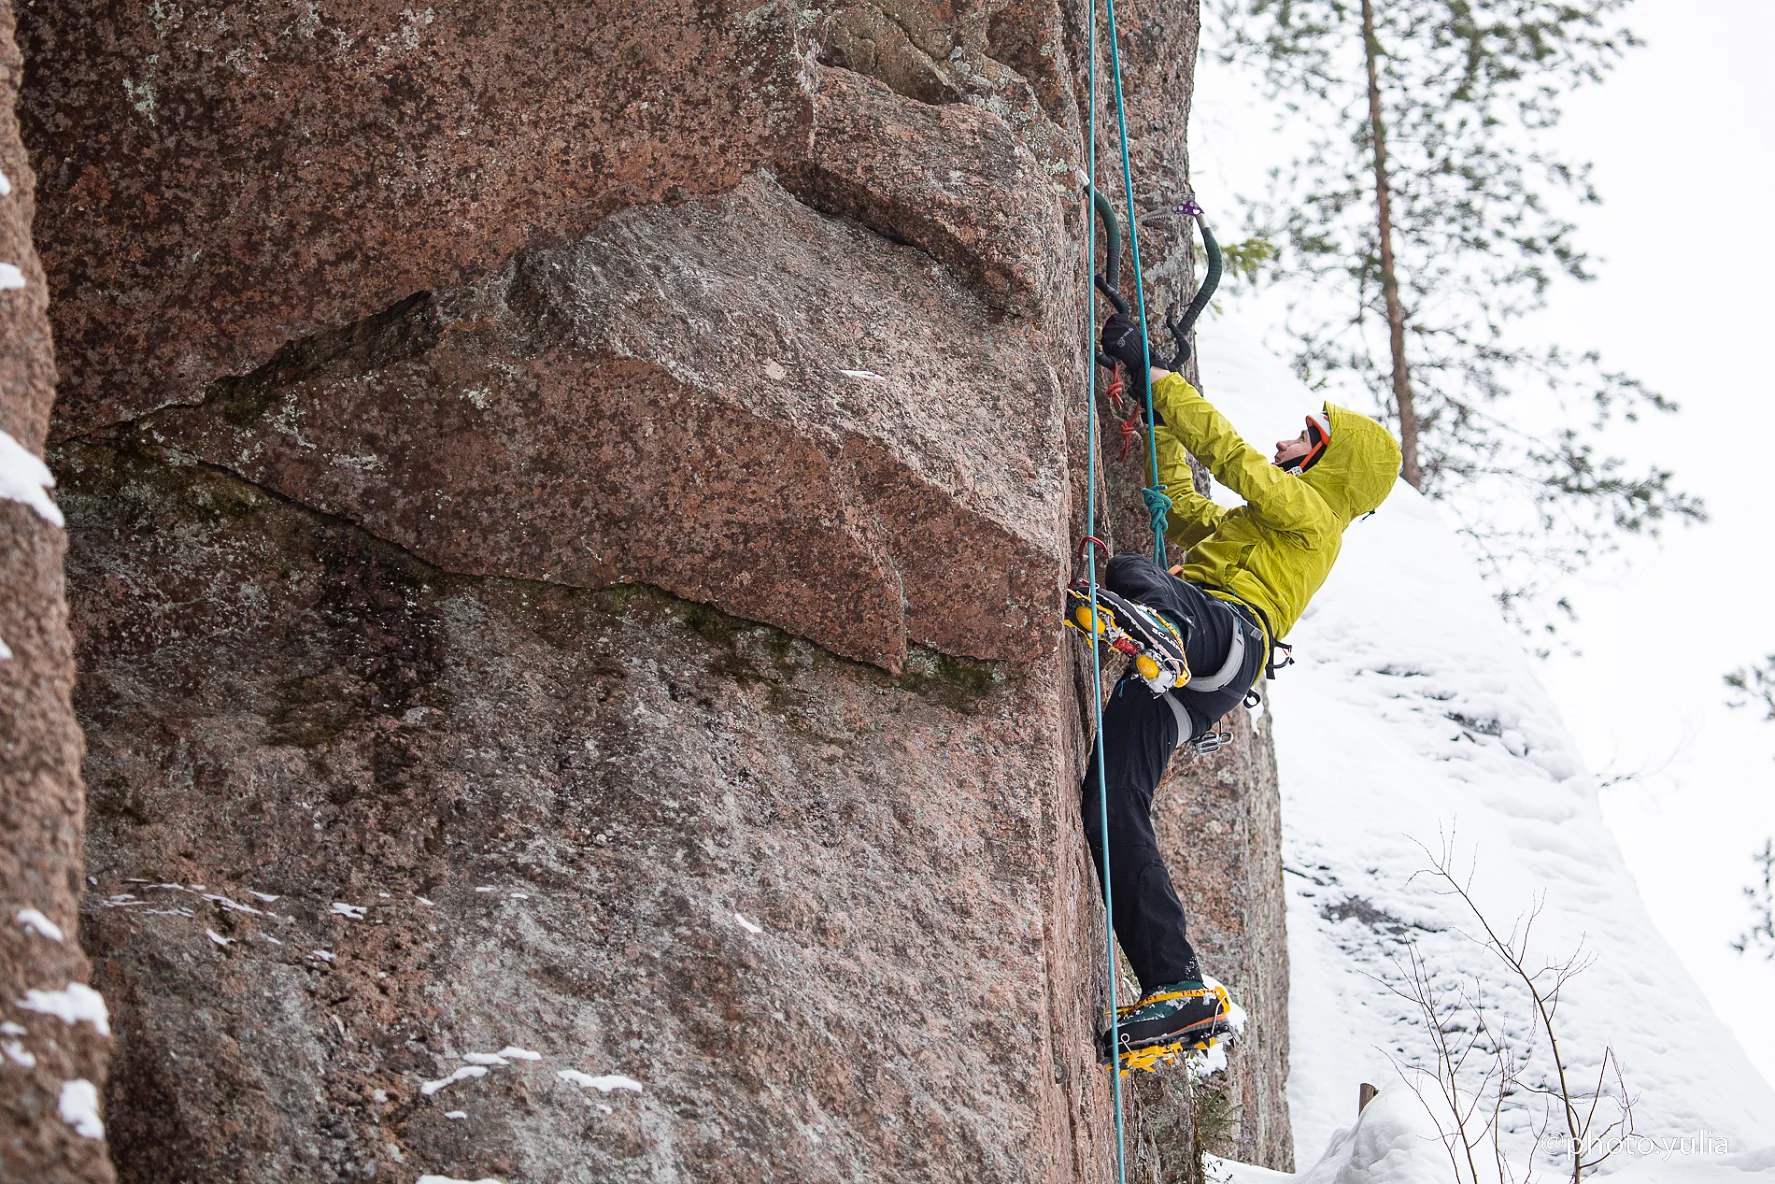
x,y
1287,450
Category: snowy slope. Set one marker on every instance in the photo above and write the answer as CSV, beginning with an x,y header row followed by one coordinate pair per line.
x,y
1414,719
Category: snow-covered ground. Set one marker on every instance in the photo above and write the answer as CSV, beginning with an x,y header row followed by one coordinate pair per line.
x,y
1413,724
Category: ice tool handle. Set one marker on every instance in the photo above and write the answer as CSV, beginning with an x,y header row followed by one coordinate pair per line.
x,y
1110,282
1181,329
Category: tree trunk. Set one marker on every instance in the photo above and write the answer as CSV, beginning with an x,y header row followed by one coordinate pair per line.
x,y
1408,416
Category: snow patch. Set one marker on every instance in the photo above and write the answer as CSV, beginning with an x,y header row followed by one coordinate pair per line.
x,y
1391,1143
73,1003
454,1180
79,1106
513,1052
484,1058
431,1087
25,478
748,926
601,1084
5,186
218,938
456,1114
11,276
15,1052
37,923
354,912
866,375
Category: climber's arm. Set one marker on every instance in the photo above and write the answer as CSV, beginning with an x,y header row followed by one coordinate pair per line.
x,y
1193,517
1278,498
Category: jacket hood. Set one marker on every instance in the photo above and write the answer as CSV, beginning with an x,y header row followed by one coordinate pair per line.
x,y
1359,466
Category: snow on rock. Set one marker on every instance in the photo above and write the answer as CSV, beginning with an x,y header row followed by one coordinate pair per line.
x,y
353,912
484,1058
233,906
17,1053
79,1107
11,276
512,1052
73,1003
431,1087
748,926
37,923
1413,721
454,1180
601,1084
25,478
1392,1142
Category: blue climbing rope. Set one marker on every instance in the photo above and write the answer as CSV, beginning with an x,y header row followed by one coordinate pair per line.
x,y
1157,504
1090,353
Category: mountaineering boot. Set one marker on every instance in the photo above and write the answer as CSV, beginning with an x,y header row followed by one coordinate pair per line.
x,y
1168,1021
1145,634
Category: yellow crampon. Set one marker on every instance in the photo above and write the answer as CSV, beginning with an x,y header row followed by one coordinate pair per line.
x,y
1106,628
1105,624
1151,1056
1154,1055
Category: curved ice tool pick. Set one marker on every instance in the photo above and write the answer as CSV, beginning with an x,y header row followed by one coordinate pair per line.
x,y
1110,281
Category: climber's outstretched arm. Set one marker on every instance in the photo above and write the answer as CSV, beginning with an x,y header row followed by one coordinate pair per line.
x,y
1193,517
1281,500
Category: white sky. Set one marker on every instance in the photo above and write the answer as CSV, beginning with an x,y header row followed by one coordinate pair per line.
x,y
1683,141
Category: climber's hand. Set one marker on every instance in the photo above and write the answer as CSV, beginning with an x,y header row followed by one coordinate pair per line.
x,y
1121,341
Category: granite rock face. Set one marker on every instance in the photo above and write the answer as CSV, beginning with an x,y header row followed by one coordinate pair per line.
x,y
567,510
398,815
54,1038
738,400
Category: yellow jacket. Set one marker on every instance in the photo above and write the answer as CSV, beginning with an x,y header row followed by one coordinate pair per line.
x,y
1274,551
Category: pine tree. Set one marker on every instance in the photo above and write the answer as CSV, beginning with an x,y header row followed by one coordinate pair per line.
x,y
1413,236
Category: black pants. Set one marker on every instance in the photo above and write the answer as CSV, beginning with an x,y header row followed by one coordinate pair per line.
x,y
1140,731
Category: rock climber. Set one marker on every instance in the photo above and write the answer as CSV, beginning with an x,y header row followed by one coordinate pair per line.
x,y
1200,637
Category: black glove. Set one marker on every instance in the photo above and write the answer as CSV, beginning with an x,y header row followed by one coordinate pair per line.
x,y
1121,341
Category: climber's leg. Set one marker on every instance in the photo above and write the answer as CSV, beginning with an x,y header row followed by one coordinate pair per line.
x,y
1177,1010
1207,623
1139,732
